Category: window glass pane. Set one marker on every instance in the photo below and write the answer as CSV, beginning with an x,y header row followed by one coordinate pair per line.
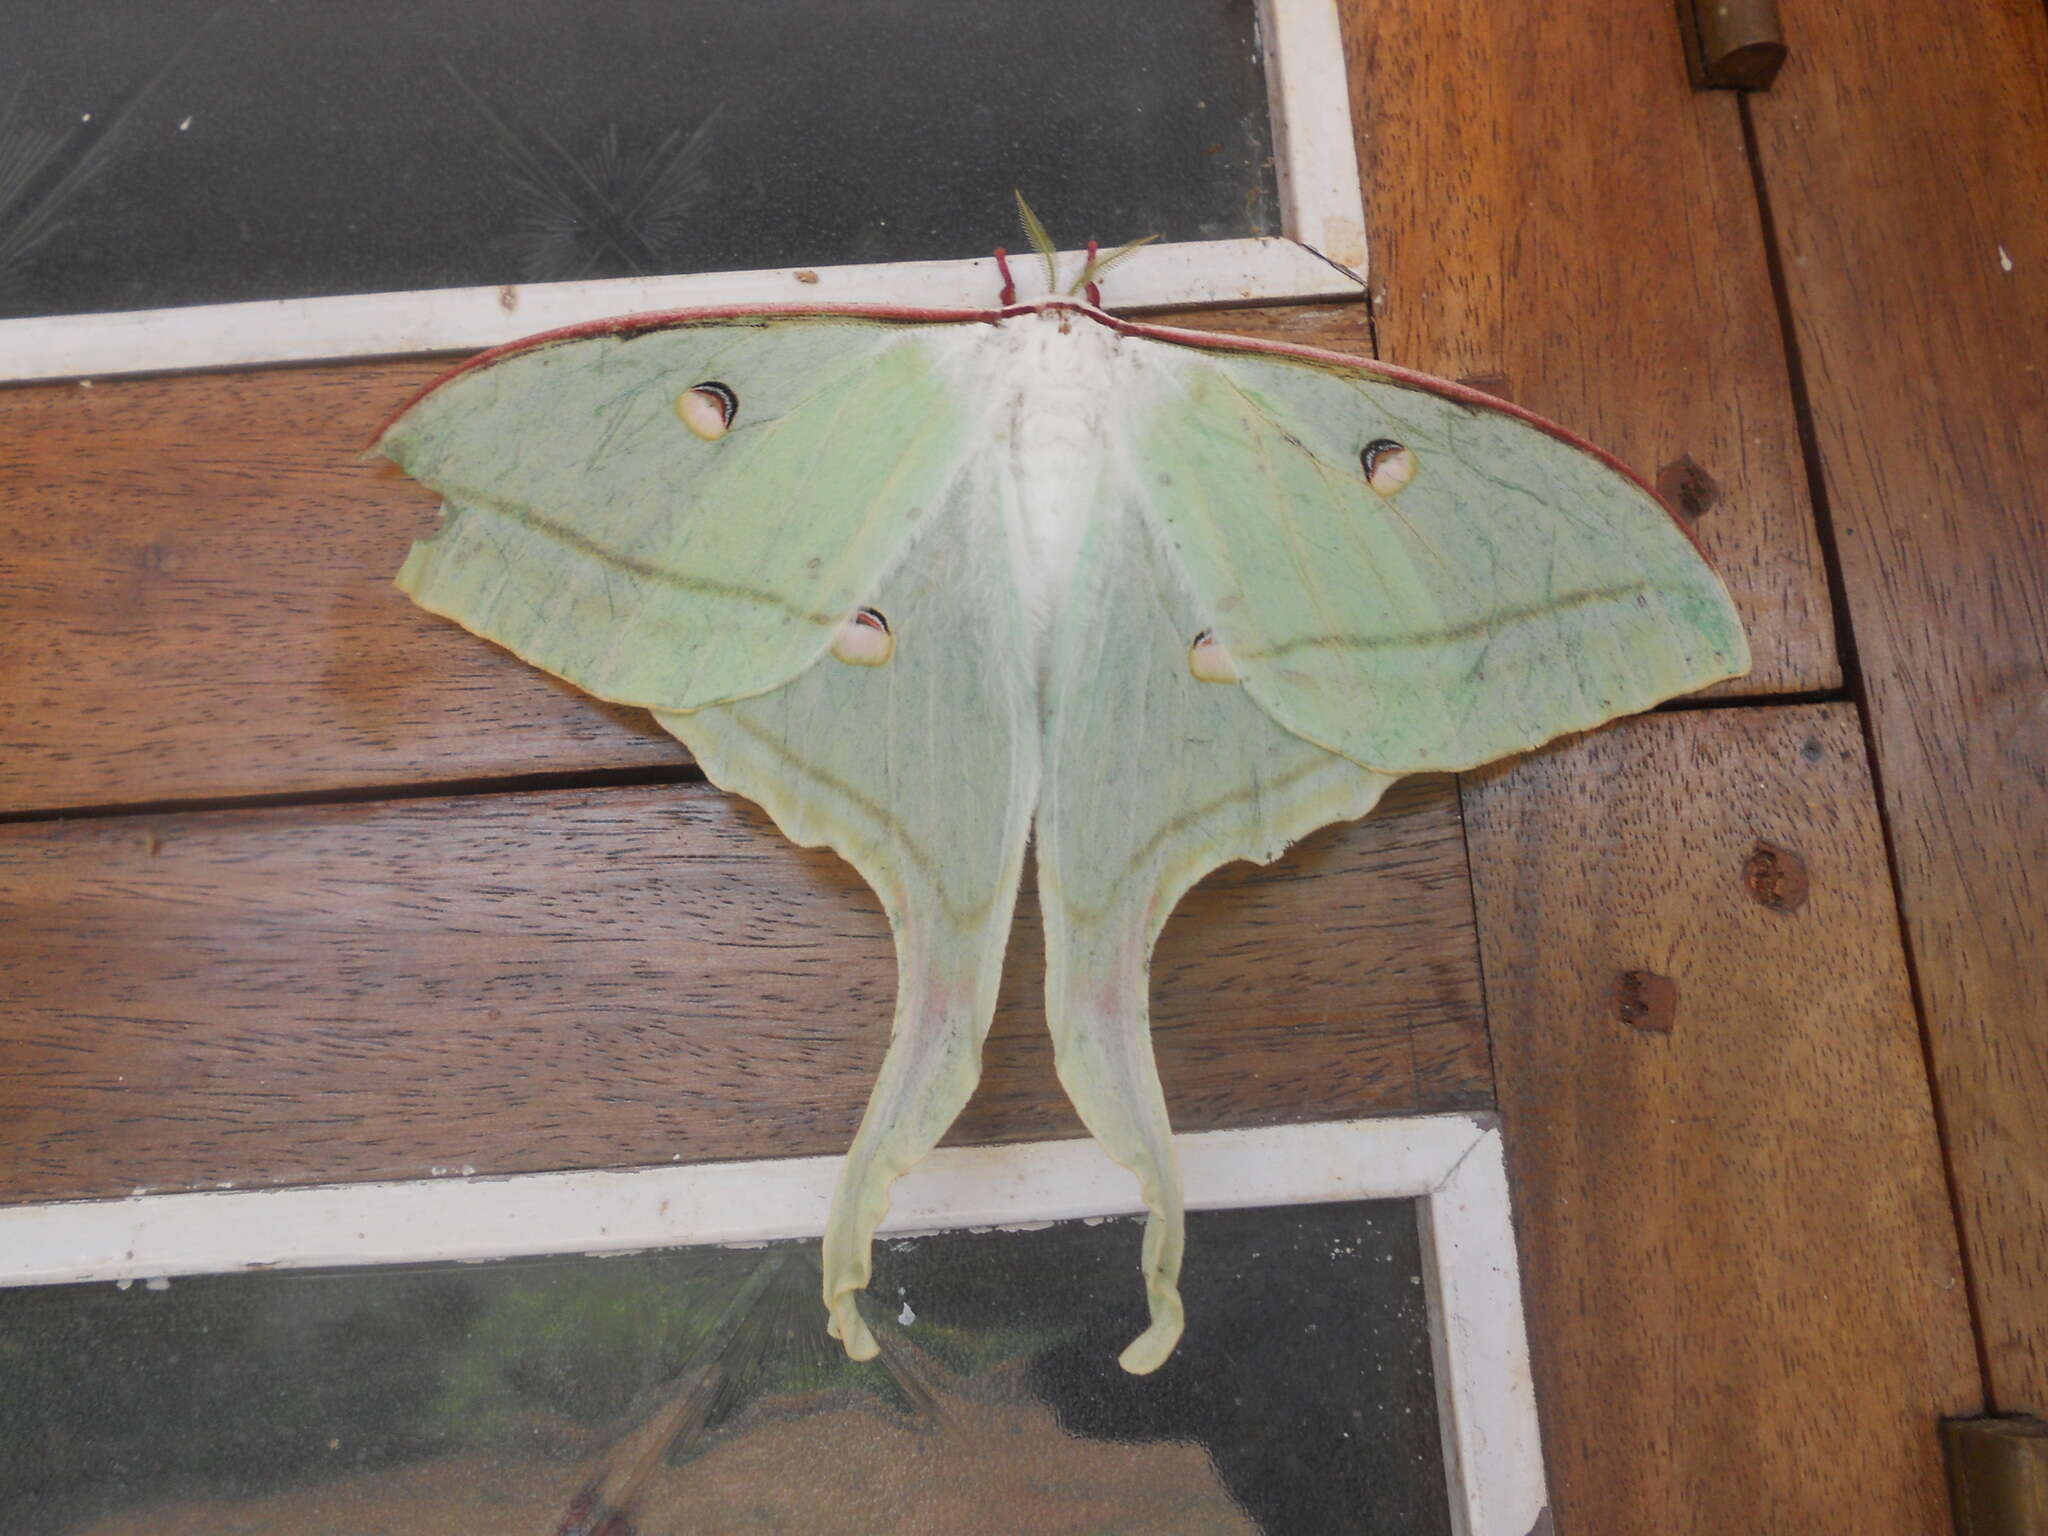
x,y
695,1389
166,152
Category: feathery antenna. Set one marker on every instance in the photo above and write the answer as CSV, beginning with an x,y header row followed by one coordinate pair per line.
x,y
1041,242
1098,265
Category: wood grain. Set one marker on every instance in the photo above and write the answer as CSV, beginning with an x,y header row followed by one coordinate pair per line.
x,y
1339,327
1904,152
1552,207
584,979
1746,1303
199,572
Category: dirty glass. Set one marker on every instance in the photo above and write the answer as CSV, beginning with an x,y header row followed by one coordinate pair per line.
x,y
166,152
694,1390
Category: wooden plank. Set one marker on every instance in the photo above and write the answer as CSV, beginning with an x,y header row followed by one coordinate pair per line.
x,y
1338,327
1556,215
1746,1303
200,604
584,979
1903,150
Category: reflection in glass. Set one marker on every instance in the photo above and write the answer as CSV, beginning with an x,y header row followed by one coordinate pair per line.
x,y
695,1391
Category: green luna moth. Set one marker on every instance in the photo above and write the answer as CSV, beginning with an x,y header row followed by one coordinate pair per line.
x,y
930,584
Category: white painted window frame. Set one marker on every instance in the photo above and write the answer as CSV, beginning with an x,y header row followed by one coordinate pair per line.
x,y
1320,255
1450,1164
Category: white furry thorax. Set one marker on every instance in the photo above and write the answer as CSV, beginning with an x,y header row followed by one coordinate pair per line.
x,y
1057,383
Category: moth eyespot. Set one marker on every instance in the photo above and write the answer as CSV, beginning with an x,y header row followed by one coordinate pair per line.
x,y
864,640
707,409
1388,465
1210,661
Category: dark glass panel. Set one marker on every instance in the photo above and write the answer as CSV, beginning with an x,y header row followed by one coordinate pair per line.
x,y
695,1390
167,152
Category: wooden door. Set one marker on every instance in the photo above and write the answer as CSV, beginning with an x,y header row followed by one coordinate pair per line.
x,y
303,885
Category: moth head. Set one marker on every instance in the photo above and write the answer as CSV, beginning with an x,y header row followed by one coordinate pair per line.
x,y
708,409
1086,282
1388,465
865,639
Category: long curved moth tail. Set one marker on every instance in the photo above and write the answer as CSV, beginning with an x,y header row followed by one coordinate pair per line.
x,y
918,763
1095,1002
945,997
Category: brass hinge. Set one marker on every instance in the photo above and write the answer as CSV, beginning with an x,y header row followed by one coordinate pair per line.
x,y
1733,45
1997,1475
